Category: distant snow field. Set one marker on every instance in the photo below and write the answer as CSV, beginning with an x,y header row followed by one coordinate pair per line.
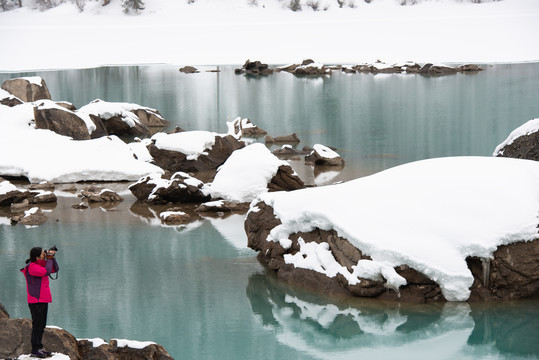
x,y
213,32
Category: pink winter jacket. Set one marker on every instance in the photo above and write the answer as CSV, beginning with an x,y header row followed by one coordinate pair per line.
x,y
37,280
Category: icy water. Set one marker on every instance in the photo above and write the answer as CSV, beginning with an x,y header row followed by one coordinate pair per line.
x,y
200,292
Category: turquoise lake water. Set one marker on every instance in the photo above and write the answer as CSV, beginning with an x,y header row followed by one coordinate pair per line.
x,y
200,292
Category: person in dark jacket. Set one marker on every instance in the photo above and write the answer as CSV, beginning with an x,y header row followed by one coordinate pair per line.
x,y
40,265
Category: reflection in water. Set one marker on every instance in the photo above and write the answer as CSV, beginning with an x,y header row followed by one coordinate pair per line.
x,y
334,329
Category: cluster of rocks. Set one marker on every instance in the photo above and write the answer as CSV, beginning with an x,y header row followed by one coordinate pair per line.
x,y
310,67
15,341
25,206
428,69
97,119
307,67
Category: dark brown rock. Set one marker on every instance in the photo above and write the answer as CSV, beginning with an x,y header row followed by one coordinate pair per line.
x,y
172,217
10,100
523,147
27,91
174,161
285,180
116,125
12,197
189,70
254,68
34,216
102,352
15,339
61,121
222,206
97,195
180,188
319,157
512,274
3,313
469,68
151,118
289,139
150,352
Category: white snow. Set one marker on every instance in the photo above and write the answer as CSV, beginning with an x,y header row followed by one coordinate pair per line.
x,y
36,80
107,110
133,344
96,342
42,155
191,143
325,152
528,128
455,31
245,174
55,356
429,215
6,186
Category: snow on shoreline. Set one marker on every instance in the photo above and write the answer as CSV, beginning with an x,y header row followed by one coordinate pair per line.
x,y
228,33
429,214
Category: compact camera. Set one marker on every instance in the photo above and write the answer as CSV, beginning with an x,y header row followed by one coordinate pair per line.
x,y
49,252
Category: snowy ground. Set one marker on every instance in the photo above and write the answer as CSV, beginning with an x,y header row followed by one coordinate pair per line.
x,y
229,32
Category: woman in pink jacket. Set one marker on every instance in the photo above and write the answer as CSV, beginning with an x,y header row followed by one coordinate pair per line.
x,y
40,266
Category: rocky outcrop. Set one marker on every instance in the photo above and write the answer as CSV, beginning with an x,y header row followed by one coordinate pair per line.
x,y
60,120
8,99
322,155
244,127
288,139
254,68
27,89
98,195
32,217
513,274
178,188
189,70
174,161
222,206
523,147
15,341
285,180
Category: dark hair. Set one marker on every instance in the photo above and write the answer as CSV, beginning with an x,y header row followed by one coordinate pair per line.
x,y
34,254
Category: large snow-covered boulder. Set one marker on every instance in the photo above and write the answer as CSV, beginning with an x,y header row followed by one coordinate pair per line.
x,y
123,118
192,151
50,116
27,88
251,171
522,143
416,229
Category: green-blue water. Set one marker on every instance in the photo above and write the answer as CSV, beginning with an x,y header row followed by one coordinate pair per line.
x,y
200,292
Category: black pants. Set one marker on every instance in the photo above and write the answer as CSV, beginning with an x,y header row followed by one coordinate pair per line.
x,y
39,321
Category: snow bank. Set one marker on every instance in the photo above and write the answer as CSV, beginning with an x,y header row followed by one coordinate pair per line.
x,y
6,186
245,174
133,344
429,214
191,143
42,155
528,128
276,35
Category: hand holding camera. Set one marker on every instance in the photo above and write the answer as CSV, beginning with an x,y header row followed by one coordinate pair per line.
x,y
51,252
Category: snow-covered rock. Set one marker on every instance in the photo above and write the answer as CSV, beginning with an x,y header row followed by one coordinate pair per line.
x,y
192,150
429,216
27,89
323,155
179,188
522,143
251,171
